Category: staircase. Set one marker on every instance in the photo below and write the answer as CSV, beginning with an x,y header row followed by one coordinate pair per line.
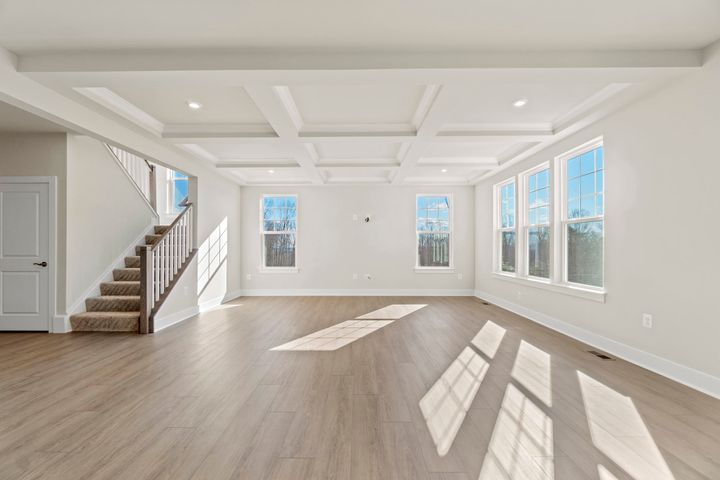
x,y
117,309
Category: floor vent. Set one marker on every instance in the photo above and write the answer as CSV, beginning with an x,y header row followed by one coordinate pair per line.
x,y
600,355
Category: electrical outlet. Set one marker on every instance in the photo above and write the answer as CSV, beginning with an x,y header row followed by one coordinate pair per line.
x,y
459,276
647,320
355,276
248,276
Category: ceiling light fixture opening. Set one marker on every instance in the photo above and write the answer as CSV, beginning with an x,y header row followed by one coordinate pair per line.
x,y
193,105
271,172
519,103
444,170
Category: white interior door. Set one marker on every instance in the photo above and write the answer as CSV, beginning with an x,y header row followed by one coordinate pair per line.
x,y
24,250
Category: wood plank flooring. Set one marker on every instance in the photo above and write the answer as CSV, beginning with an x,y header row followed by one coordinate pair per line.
x,y
207,399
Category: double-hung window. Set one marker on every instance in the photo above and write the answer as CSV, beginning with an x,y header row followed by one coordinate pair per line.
x,y
433,231
506,233
556,239
279,231
537,222
584,215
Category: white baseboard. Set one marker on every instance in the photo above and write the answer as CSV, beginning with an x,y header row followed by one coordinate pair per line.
x,y
690,377
165,321
353,292
162,322
61,324
94,289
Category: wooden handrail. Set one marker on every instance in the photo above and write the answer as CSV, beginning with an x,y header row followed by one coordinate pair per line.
x,y
174,222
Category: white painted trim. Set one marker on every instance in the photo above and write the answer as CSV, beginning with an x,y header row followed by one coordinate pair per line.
x,y
93,289
61,324
353,292
688,376
51,181
162,322
132,181
565,289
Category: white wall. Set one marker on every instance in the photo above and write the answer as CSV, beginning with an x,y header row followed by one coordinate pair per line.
x,y
331,246
41,154
105,214
662,257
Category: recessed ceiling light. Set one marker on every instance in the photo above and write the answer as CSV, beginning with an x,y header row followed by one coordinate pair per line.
x,y
444,170
192,104
521,102
271,172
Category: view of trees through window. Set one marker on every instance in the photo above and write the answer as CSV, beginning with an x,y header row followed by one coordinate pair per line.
x,y
279,224
433,230
581,224
507,228
585,224
538,233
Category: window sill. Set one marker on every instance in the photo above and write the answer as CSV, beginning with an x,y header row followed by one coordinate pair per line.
x,y
434,270
278,270
572,290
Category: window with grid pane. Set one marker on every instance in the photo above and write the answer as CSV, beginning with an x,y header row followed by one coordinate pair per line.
x,y
507,234
433,229
538,224
584,217
279,230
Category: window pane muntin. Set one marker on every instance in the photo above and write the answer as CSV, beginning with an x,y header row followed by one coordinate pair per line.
x,y
433,213
507,206
584,182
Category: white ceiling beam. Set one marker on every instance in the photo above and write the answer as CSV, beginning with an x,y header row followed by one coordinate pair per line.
x,y
225,60
272,105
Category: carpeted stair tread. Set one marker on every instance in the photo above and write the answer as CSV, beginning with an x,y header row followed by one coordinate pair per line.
x,y
152,239
160,229
132,262
120,288
127,274
113,303
105,322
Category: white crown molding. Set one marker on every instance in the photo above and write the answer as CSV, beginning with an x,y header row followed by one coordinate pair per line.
x,y
118,105
680,373
169,60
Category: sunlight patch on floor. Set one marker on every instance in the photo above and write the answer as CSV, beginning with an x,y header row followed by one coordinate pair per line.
x,y
532,370
334,337
444,406
393,312
619,432
521,445
488,339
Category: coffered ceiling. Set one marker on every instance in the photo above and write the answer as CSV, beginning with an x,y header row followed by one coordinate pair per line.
x,y
386,93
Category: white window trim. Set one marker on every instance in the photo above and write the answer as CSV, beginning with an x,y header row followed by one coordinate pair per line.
x,y
497,227
558,272
561,247
264,268
451,224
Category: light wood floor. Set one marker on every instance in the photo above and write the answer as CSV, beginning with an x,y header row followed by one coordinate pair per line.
x,y
207,399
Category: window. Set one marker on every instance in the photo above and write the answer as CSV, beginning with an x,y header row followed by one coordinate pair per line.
x,y
506,233
433,220
556,241
279,231
177,190
583,216
537,222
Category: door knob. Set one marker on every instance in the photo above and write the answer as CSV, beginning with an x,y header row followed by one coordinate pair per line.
x,y
41,264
